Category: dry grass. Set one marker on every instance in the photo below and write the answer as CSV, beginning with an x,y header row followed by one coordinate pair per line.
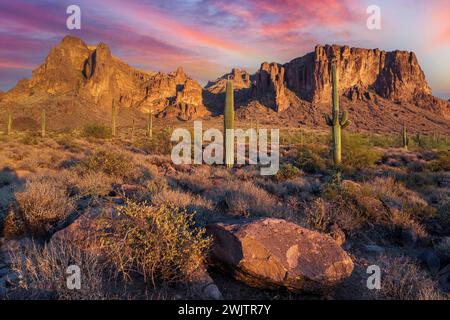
x,y
243,199
402,279
44,202
42,271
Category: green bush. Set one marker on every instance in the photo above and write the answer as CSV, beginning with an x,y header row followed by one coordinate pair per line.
x,y
98,131
358,153
287,172
313,159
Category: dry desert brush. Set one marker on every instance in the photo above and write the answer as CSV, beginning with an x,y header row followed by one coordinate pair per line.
x,y
161,244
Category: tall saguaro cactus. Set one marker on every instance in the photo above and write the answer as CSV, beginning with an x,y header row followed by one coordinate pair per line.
x,y
405,139
113,120
43,124
150,124
229,125
336,120
9,123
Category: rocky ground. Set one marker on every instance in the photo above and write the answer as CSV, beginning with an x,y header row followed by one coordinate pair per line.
x,y
141,227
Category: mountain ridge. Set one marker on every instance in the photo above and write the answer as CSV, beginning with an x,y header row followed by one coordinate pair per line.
x,y
76,78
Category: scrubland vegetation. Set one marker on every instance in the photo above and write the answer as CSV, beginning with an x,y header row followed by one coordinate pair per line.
x,y
145,236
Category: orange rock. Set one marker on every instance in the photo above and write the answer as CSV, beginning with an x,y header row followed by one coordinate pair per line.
x,y
271,253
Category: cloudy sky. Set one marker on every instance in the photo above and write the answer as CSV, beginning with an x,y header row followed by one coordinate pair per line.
x,y
209,37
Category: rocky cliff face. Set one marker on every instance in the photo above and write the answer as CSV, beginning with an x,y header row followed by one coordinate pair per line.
x,y
364,76
94,75
240,78
392,75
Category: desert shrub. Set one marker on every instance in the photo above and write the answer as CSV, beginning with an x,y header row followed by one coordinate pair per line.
x,y
383,202
98,131
357,153
92,184
441,162
113,163
161,244
404,280
67,142
42,271
196,183
313,159
194,204
288,172
396,196
30,138
346,208
301,187
159,143
243,199
44,202
384,141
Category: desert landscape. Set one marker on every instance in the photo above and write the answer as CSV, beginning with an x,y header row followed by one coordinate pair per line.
x,y
87,179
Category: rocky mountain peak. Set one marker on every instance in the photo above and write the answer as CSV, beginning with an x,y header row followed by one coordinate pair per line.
x,y
241,79
93,74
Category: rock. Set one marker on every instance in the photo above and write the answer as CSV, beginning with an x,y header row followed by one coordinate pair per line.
x,y
239,78
269,87
393,75
431,260
86,227
203,285
273,253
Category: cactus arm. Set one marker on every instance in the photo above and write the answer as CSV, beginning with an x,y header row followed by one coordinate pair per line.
x,y
345,124
343,118
328,120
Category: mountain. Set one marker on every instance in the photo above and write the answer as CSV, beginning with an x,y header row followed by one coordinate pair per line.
x,y
77,83
76,78
380,89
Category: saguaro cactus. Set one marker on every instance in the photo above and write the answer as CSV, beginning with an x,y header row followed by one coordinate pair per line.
x,y
150,124
229,125
405,139
43,124
113,120
9,123
336,120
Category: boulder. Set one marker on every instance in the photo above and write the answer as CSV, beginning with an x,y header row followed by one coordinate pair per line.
x,y
273,253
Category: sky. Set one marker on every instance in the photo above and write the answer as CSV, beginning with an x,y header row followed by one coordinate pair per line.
x,y
210,37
